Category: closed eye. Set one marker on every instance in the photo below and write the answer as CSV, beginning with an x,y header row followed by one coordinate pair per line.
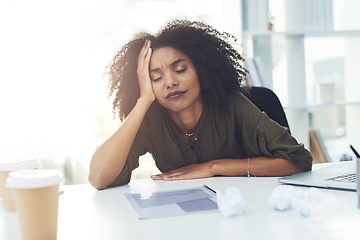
x,y
156,79
180,70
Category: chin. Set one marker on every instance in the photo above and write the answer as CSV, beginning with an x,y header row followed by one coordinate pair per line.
x,y
175,109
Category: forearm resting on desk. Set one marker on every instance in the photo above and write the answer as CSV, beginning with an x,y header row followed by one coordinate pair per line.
x,y
109,159
260,166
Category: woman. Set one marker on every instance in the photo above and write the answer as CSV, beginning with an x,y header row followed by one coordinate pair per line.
x,y
180,95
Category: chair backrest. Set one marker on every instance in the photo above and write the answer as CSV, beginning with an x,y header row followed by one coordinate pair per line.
x,y
267,101
317,147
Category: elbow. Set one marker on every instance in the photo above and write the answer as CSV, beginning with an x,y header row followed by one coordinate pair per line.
x,y
97,181
97,174
102,176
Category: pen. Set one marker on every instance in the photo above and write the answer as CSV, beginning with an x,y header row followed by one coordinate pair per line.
x,y
210,189
355,152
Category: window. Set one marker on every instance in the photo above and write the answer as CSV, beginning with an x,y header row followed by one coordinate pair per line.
x,y
53,55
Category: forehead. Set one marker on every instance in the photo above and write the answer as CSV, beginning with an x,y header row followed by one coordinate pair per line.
x,y
166,55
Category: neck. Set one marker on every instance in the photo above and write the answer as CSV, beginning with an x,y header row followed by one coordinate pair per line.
x,y
187,119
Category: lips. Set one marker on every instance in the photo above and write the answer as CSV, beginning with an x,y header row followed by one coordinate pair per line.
x,y
175,94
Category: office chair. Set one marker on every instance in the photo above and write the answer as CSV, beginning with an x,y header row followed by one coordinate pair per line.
x,y
267,101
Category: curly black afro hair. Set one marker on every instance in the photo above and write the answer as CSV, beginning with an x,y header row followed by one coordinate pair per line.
x,y
217,62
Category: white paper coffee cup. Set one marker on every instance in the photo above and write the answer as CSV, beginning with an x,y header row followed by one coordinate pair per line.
x,y
36,195
33,178
7,165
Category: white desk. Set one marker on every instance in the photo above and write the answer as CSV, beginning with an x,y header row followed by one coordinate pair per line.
x,y
85,213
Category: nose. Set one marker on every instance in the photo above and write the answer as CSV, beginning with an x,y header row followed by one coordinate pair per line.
x,y
171,81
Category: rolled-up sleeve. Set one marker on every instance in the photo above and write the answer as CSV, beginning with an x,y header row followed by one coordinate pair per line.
x,y
261,136
275,141
124,177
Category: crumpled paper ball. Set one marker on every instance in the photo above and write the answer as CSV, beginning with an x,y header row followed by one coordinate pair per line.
x,y
308,201
281,197
232,203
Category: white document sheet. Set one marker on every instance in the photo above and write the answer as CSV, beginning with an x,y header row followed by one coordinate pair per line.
x,y
173,203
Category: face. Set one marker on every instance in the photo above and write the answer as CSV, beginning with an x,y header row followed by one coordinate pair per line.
x,y
174,80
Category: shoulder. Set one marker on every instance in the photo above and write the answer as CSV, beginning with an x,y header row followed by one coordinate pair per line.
x,y
237,106
151,128
241,105
152,122
238,97
238,111
155,115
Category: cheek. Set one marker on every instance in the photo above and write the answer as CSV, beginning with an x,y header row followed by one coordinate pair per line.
x,y
195,83
156,89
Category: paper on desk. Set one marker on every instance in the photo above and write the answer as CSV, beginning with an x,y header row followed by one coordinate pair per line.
x,y
308,201
173,203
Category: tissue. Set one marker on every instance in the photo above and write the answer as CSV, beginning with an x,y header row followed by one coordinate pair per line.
x,y
232,203
307,201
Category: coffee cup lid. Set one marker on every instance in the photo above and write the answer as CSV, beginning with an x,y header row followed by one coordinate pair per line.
x,y
33,178
12,164
17,158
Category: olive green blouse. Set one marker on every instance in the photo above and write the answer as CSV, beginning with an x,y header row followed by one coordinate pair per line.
x,y
239,130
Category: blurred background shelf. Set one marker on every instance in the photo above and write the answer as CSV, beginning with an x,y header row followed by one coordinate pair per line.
x,y
309,50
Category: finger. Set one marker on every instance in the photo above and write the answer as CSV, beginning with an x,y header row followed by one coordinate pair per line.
x,y
172,173
178,177
157,177
143,51
186,173
148,55
144,59
175,175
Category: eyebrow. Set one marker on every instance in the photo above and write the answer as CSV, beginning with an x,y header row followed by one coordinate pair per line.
x,y
177,61
172,64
